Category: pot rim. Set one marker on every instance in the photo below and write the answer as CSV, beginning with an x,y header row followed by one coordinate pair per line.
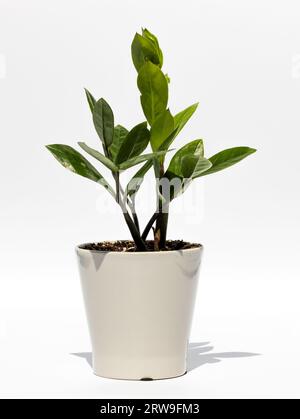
x,y
157,252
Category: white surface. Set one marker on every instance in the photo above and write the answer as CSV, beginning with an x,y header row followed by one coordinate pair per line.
x,y
240,59
38,362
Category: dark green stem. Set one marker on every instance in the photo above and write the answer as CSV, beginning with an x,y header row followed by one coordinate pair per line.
x,y
162,225
139,242
131,205
136,221
132,225
160,231
117,178
149,225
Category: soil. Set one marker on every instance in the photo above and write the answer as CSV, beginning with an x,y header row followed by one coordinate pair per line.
x,y
129,246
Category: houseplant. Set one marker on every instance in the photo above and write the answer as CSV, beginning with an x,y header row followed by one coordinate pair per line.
x,y
139,294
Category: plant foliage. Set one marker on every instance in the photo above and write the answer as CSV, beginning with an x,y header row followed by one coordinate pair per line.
x,y
123,148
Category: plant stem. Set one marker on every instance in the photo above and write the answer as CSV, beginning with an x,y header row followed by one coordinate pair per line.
x,y
134,215
117,178
139,242
162,225
132,225
131,205
149,225
160,231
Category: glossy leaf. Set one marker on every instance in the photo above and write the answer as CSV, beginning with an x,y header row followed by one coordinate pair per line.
x,y
136,181
192,166
138,178
91,100
154,91
227,158
76,163
120,133
180,120
162,127
142,51
169,140
134,144
182,117
140,159
100,157
194,148
186,162
104,122
152,38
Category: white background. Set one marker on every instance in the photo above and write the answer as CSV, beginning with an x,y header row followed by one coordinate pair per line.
x,y
241,61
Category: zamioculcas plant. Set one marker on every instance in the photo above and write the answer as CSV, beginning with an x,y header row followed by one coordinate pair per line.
x,y
123,149
140,301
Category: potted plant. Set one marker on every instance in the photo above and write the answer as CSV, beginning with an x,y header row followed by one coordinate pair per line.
x,y
139,294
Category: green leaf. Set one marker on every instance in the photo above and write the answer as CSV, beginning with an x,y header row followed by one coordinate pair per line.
x,y
91,100
169,140
179,122
76,163
152,38
142,51
154,91
162,127
135,182
185,164
194,148
104,122
182,117
120,134
140,159
134,144
100,157
227,158
192,166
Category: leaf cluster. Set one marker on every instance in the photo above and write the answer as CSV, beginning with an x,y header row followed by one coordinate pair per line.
x,y
122,148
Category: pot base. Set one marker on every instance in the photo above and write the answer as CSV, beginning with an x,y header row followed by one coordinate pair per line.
x,y
137,367
141,379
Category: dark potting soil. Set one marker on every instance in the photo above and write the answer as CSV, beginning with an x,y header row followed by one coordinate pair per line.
x,y
129,246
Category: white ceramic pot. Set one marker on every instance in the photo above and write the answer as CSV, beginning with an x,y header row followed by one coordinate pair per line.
x,y
139,308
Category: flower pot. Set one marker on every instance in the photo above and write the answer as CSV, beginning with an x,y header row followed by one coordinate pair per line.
x,y
139,309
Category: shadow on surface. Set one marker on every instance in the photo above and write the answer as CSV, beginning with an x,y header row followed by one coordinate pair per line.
x,y
85,355
199,353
